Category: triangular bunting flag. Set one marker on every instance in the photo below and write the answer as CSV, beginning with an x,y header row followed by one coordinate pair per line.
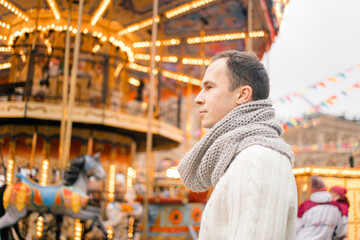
x,y
324,104
294,122
331,79
313,86
329,102
289,124
321,84
341,75
349,69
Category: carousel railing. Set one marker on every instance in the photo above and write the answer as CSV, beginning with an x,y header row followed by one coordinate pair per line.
x,y
38,76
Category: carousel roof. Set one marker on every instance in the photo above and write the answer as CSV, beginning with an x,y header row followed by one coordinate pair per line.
x,y
129,22
189,34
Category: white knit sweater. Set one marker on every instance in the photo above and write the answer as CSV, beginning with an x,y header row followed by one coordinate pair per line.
x,y
255,199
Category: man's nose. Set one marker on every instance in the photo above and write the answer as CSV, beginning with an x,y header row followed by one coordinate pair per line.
x,y
199,99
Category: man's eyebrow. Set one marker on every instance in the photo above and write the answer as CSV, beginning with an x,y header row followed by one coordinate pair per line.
x,y
206,82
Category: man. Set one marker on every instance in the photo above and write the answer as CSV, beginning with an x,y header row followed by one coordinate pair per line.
x,y
241,155
320,217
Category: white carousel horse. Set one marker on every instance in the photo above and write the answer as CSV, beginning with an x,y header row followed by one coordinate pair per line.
x,y
67,199
118,217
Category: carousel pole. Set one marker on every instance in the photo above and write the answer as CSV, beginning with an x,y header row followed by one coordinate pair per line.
x,y
33,149
31,62
202,67
249,42
188,116
149,137
90,145
65,94
67,139
133,153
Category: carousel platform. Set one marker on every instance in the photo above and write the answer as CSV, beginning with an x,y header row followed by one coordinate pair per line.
x,y
34,113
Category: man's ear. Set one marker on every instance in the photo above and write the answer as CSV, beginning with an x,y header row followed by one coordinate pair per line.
x,y
245,94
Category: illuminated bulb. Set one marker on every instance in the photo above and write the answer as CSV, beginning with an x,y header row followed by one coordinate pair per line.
x,y
9,174
78,229
137,26
99,11
5,65
183,78
39,226
117,70
134,82
111,183
54,9
172,172
96,48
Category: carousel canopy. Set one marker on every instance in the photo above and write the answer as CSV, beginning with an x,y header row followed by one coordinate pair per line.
x,y
115,36
189,32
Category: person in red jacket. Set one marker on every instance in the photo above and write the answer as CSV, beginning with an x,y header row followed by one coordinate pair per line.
x,y
339,195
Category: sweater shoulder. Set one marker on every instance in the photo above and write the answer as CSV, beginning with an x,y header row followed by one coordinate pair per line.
x,y
261,153
256,161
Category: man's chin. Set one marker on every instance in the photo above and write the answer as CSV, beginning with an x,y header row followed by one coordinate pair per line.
x,y
206,125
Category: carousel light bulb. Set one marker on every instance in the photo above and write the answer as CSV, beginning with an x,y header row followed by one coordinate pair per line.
x,y
96,48
134,81
185,8
5,65
54,8
78,229
138,26
99,11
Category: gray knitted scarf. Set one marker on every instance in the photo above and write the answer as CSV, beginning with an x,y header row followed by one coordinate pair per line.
x,y
249,124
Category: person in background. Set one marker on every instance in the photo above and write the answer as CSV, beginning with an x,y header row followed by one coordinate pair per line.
x,y
339,195
319,217
242,155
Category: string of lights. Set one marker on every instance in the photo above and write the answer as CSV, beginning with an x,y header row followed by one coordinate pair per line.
x,y
99,11
14,10
54,8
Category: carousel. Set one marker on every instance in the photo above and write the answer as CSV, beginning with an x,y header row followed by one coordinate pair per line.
x,y
87,85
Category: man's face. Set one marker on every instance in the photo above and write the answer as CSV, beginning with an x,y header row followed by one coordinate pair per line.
x,y
215,100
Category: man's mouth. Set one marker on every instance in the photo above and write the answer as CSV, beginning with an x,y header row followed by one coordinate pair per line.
x,y
201,113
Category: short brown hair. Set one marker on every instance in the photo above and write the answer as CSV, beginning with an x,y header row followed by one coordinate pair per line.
x,y
244,68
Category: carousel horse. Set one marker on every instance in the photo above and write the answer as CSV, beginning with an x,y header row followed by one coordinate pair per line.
x,y
118,215
67,199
